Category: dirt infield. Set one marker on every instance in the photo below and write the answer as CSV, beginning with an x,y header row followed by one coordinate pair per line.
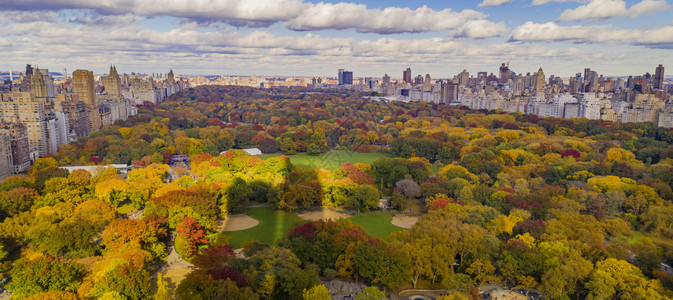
x,y
324,214
236,223
404,221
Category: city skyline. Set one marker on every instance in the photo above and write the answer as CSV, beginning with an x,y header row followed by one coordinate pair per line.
x,y
370,38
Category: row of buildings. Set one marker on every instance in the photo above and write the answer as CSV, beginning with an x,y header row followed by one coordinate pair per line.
x,y
589,95
38,113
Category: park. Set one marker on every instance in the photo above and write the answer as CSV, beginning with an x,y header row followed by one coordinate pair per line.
x,y
270,224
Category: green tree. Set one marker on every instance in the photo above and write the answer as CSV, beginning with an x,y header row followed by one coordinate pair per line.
x,y
365,197
238,195
371,293
45,275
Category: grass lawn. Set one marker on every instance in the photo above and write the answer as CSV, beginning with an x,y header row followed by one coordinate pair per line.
x,y
272,226
330,160
635,238
376,224
125,209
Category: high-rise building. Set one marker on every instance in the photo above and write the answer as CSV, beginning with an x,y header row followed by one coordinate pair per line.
x,y
26,80
38,85
83,86
340,78
113,84
539,81
23,107
463,78
18,135
406,75
450,92
78,117
427,84
418,79
658,83
386,80
504,73
347,77
6,169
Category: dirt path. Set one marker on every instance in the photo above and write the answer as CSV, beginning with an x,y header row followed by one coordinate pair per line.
x,y
324,214
236,223
404,221
176,268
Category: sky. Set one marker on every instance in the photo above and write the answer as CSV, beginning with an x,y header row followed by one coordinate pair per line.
x,y
315,38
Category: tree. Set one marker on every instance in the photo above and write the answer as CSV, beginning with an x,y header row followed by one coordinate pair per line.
x,y
143,233
318,144
287,146
365,197
615,278
45,275
162,288
408,188
370,293
190,231
238,195
130,281
54,296
481,270
18,199
318,292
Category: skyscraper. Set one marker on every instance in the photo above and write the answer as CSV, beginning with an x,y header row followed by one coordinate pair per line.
x,y
38,85
83,86
112,83
464,78
406,75
539,81
386,80
658,83
340,78
504,73
25,108
347,77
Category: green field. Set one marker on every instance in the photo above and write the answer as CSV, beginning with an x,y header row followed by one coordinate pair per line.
x,y
125,209
376,224
330,160
272,226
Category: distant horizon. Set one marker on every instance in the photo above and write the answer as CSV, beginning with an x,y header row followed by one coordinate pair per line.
x,y
370,37
16,73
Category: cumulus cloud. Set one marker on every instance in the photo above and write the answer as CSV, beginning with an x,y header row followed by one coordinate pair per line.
x,y
551,32
387,21
648,8
487,3
480,29
295,14
235,12
609,9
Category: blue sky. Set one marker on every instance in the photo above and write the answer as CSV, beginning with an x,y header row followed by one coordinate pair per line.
x,y
315,38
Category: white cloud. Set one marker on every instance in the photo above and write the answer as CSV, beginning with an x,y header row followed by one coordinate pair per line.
x,y
648,8
387,21
480,29
542,2
295,14
609,9
487,3
551,32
